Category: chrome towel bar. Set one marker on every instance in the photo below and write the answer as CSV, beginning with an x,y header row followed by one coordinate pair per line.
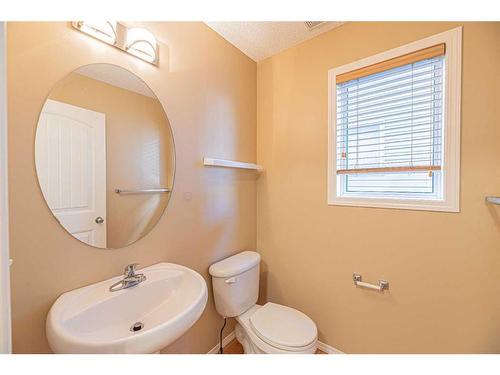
x,y
382,284
493,200
142,191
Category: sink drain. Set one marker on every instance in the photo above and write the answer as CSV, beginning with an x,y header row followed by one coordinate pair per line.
x,y
136,327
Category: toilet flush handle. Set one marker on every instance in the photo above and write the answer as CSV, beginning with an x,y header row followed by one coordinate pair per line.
x,y
231,280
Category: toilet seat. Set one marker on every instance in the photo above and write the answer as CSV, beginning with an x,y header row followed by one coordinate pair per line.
x,y
283,327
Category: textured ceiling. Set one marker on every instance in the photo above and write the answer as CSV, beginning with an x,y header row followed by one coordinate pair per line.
x,y
259,40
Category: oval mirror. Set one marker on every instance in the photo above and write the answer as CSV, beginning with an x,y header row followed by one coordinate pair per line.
x,y
104,156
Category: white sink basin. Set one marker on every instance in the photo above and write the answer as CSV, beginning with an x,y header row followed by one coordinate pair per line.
x,y
94,320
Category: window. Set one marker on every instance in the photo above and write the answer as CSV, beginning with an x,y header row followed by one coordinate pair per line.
x,y
395,126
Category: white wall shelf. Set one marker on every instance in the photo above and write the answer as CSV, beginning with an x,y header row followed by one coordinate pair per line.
x,y
231,164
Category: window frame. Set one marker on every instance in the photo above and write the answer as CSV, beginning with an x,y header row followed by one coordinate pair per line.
x,y
450,201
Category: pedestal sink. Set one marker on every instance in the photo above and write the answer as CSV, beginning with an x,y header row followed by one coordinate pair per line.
x,y
141,319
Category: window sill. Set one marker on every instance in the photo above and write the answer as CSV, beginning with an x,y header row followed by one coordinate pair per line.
x,y
403,204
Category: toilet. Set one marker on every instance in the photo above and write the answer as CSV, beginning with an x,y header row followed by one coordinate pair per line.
x,y
267,329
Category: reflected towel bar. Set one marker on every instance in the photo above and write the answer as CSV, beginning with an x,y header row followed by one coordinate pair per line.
x,y
382,284
142,191
493,200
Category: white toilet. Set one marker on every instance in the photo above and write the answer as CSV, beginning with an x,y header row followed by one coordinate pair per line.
x,y
270,329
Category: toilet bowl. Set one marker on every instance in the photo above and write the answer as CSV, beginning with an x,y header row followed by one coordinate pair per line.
x,y
276,329
266,329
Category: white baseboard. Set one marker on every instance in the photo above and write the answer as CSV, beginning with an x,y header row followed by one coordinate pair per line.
x,y
328,349
226,340
321,346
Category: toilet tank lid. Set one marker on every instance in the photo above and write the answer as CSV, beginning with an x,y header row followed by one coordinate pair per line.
x,y
234,265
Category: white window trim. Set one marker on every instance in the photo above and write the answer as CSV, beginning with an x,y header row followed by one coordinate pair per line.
x,y
451,127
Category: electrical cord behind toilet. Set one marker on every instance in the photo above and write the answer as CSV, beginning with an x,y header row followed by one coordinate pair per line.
x,y
221,349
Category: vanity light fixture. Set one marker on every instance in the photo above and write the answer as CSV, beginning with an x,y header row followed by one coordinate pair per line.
x,y
102,30
136,41
142,44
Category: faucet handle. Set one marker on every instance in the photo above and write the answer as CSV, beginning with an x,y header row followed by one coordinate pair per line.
x,y
130,269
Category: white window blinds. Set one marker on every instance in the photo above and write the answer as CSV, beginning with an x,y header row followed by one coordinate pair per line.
x,y
390,121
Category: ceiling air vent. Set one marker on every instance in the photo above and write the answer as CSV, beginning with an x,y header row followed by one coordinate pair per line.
x,y
313,24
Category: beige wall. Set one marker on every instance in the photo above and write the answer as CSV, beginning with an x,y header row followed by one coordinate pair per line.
x,y
208,89
443,268
136,128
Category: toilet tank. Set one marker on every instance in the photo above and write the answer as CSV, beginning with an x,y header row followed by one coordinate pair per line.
x,y
235,282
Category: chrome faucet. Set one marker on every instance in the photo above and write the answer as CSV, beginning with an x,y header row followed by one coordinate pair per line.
x,y
130,278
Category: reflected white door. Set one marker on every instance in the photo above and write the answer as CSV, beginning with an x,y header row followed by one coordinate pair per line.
x,y
70,155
